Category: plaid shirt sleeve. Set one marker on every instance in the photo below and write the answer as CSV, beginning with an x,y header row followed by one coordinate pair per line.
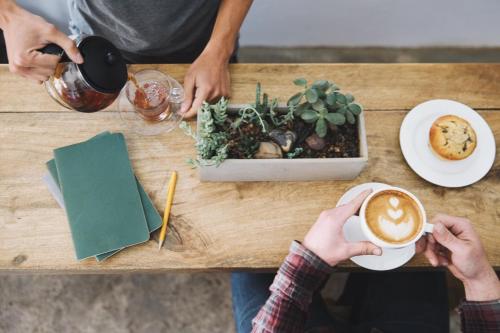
x,y
301,274
480,316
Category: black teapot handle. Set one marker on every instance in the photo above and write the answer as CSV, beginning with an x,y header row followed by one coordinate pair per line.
x,y
55,50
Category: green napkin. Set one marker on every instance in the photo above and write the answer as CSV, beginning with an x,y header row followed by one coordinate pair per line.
x,y
102,197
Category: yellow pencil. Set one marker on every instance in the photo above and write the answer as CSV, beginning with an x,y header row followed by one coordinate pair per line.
x,y
168,206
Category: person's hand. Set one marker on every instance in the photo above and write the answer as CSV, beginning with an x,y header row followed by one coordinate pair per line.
x,y
206,80
24,34
326,237
455,244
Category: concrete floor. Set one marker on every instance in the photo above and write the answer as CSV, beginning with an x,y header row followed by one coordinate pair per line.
x,y
117,303
173,302
139,303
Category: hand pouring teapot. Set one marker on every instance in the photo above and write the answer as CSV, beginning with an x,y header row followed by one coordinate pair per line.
x,y
92,85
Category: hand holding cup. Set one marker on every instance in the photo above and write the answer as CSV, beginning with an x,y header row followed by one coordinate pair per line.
x,y
455,244
326,236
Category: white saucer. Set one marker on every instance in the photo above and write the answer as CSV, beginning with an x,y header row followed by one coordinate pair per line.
x,y
390,258
414,141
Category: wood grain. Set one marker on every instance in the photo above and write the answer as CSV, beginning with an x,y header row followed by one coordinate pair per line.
x,y
214,225
376,86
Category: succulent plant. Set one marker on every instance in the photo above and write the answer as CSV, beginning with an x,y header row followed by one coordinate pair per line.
x,y
323,104
262,111
296,152
212,146
219,110
222,135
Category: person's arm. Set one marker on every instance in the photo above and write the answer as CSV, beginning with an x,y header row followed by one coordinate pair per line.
x,y
26,33
208,77
455,244
480,316
300,275
307,267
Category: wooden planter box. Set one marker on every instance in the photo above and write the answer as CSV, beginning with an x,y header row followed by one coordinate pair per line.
x,y
283,169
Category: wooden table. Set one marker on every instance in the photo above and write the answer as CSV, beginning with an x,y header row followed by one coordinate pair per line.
x,y
231,225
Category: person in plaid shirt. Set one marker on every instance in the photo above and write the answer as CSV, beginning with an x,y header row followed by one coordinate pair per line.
x,y
380,302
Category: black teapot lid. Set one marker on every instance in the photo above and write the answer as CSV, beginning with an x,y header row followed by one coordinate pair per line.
x,y
103,68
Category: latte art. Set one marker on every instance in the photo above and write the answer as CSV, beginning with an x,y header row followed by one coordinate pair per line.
x,y
393,216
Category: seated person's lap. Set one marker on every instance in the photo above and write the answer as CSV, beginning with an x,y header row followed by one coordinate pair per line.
x,y
389,301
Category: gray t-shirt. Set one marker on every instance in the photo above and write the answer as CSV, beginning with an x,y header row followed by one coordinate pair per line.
x,y
148,31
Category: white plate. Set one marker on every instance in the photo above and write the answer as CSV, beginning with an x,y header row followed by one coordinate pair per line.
x,y
390,258
414,141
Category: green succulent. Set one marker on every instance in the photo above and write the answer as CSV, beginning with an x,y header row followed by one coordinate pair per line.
x,y
323,103
296,152
212,141
219,111
263,113
211,145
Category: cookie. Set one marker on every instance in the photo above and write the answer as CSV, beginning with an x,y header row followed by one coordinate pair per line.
x,y
452,138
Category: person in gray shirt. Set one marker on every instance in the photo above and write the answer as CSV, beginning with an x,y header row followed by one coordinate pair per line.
x,y
201,32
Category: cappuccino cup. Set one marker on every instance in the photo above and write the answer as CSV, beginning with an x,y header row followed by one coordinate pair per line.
x,y
392,217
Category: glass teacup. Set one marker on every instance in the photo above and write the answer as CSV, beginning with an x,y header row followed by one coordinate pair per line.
x,y
150,103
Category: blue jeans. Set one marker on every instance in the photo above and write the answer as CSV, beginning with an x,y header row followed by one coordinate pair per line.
x,y
390,301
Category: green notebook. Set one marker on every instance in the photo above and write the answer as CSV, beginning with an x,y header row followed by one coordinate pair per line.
x,y
101,195
153,218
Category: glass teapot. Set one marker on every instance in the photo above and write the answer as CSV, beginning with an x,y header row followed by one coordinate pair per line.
x,y
92,85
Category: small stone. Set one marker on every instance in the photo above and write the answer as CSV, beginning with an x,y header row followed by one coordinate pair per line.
x,y
284,139
315,142
268,150
302,130
332,127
